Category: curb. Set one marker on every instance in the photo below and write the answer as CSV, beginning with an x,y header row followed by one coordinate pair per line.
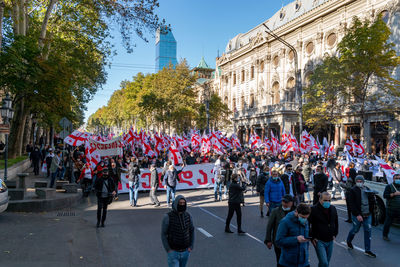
x,y
68,200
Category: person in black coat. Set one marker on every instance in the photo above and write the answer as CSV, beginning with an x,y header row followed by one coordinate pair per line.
x,y
261,181
289,181
235,198
35,158
320,183
362,203
324,228
105,191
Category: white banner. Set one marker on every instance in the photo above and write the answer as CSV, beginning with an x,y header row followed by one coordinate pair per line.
x,y
192,176
108,148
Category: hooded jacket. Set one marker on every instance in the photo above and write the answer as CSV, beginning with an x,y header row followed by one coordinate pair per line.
x,y
275,218
293,252
274,191
177,229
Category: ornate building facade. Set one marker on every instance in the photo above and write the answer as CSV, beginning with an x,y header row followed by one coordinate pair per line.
x,y
257,75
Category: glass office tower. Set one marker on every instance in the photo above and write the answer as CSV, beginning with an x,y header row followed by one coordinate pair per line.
x,y
165,48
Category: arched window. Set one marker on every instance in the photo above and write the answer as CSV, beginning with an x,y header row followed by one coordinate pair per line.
x,y
290,95
385,16
310,47
275,93
252,72
331,39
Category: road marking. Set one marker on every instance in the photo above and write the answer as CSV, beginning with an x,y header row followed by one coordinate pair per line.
x,y
355,247
204,232
222,220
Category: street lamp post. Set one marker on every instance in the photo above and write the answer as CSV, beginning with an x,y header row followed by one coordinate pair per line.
x,y
206,95
7,114
299,87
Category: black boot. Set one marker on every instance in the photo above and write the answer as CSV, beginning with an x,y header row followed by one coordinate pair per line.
x,y
241,232
98,224
262,214
227,230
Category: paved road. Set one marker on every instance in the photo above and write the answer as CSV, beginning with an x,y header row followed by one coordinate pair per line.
x,y
132,237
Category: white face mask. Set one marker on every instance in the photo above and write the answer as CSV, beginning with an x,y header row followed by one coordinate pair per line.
x,y
360,184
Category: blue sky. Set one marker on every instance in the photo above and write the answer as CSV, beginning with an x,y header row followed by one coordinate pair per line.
x,y
200,27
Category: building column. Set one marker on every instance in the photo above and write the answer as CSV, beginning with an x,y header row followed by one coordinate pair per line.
x,y
262,132
337,136
342,136
367,136
247,134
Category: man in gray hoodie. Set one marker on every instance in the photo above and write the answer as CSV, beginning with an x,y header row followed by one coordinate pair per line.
x,y
177,233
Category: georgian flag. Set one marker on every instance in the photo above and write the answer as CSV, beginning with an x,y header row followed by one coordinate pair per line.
x,y
195,140
174,155
389,172
235,141
92,156
76,138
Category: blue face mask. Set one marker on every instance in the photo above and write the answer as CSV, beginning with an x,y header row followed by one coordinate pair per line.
x,y
397,181
303,221
326,205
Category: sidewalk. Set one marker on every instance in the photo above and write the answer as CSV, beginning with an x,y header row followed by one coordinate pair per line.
x,y
31,202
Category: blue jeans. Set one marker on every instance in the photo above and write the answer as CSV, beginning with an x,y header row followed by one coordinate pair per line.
x,y
226,189
218,190
367,230
178,259
54,175
133,192
324,252
170,192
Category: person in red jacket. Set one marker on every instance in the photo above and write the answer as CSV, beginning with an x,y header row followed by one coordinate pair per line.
x,y
86,177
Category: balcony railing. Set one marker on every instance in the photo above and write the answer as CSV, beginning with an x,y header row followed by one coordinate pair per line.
x,y
269,109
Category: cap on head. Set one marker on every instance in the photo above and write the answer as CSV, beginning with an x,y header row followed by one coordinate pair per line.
x,y
360,178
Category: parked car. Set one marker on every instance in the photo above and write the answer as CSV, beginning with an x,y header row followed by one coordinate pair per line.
x,y
3,196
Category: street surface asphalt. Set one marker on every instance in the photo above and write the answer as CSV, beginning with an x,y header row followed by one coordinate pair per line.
x,y
132,236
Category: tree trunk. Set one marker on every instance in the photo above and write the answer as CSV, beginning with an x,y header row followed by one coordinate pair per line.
x,y
17,130
27,132
45,22
22,17
2,6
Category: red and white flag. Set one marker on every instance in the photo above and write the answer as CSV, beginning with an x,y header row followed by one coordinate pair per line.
x,y
92,155
175,155
76,138
389,172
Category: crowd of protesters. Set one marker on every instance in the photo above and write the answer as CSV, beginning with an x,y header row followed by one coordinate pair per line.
x,y
282,182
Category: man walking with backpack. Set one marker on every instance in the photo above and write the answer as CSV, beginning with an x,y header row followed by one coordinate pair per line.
x,y
177,233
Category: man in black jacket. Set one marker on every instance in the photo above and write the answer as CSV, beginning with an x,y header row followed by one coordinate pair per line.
x,y
320,183
177,233
362,201
289,181
35,158
252,168
275,218
392,195
261,181
235,198
324,228
154,185
105,189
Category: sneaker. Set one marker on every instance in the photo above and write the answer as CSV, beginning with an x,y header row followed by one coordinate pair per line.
x,y
116,198
349,245
370,254
228,231
386,238
157,205
241,232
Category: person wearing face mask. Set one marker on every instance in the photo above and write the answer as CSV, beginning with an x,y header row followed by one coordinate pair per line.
x,y
324,228
261,181
292,237
362,202
320,183
392,195
273,222
235,198
177,233
274,191
289,182
105,191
